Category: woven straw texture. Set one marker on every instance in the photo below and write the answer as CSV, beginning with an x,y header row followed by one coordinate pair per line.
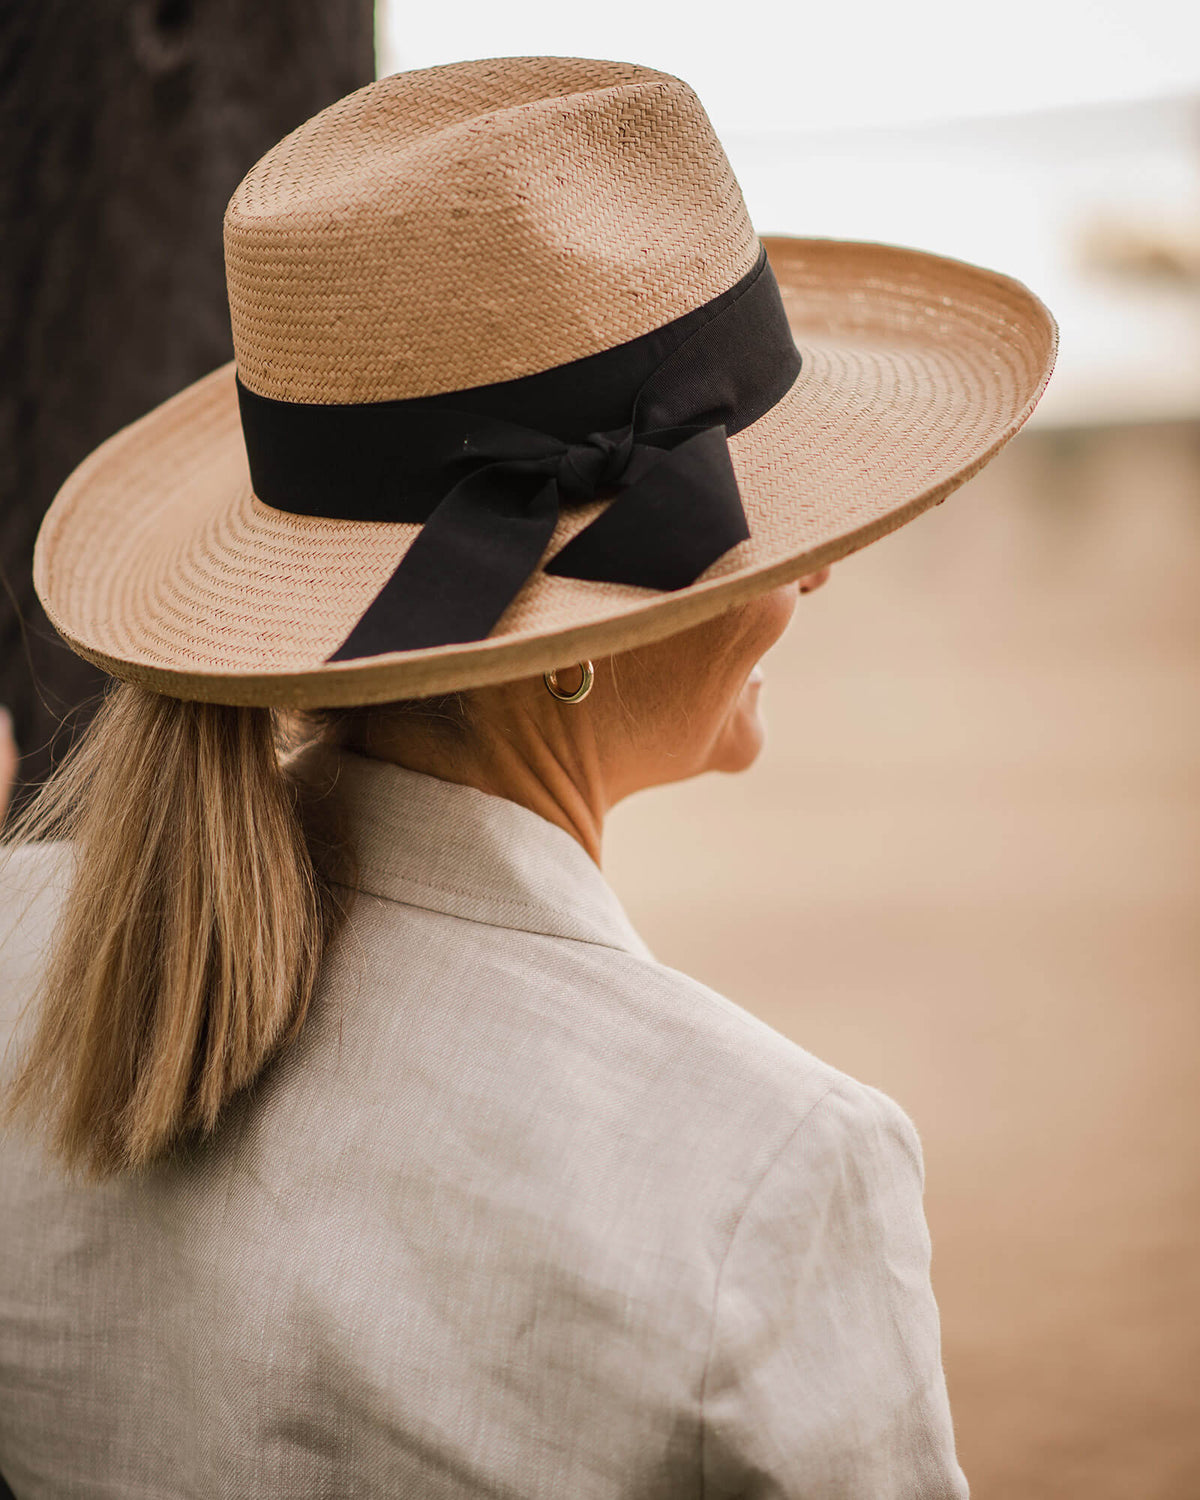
x,y
474,223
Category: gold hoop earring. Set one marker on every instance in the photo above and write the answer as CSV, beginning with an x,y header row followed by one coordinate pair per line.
x,y
580,693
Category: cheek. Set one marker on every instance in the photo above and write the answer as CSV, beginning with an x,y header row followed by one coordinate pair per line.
x,y
701,696
742,734
764,621
742,731
777,609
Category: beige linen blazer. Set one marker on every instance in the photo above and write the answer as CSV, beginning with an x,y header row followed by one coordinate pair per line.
x,y
524,1214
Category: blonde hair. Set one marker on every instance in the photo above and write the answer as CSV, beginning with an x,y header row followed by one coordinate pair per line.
x,y
189,941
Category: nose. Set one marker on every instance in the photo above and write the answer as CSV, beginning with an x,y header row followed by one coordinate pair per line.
x,y
814,580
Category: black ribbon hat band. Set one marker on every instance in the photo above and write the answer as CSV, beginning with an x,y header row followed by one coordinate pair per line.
x,y
487,470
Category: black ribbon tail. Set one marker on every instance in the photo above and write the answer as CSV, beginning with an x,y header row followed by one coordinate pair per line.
x,y
467,563
665,529
486,469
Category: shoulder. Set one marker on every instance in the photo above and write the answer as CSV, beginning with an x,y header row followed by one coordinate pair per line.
x,y
842,1194
827,1170
824,1357
788,1089
778,1127
662,1079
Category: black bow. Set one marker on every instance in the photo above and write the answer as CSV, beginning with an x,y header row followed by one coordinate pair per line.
x,y
488,470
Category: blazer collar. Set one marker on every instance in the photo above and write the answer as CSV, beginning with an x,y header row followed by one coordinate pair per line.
x,y
450,848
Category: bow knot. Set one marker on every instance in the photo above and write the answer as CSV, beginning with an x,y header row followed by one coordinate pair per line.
x,y
485,472
599,462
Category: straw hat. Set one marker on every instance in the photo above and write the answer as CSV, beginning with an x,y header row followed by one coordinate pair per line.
x,y
516,309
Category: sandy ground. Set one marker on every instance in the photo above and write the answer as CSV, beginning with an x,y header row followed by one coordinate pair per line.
x,y
966,870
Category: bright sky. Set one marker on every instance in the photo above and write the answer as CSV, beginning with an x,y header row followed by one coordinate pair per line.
x,y
772,66
1016,193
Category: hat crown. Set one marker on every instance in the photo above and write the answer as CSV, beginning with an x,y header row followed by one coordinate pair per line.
x,y
468,224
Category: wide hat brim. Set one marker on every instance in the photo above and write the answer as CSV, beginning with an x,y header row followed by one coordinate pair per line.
x,y
157,563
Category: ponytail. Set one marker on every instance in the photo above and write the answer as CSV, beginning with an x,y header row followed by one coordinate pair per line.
x,y
189,941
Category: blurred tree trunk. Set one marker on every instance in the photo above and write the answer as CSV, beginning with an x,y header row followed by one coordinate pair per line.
x,y
126,125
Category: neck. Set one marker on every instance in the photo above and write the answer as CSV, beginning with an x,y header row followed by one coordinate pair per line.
x,y
520,757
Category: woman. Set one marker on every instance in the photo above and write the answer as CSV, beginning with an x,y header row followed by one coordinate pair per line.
x,y
376,1153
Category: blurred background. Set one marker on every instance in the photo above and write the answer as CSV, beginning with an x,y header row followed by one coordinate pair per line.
x,y
966,868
